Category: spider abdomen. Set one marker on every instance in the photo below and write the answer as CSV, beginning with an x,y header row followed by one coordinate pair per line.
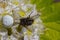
x,y
26,21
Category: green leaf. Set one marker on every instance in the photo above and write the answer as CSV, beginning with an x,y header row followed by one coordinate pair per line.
x,y
50,17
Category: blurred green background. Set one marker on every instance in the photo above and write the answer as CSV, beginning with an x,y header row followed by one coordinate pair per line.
x,y
51,18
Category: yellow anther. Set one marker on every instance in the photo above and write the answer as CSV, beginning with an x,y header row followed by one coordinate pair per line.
x,y
29,33
21,13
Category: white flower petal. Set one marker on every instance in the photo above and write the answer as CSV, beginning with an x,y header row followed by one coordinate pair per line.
x,y
1,10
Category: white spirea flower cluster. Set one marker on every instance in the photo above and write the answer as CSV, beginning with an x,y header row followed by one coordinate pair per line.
x,y
10,13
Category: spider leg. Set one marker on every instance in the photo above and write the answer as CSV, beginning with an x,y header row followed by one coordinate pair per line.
x,y
35,16
30,13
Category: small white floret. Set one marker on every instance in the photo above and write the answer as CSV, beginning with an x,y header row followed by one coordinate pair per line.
x,y
7,20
